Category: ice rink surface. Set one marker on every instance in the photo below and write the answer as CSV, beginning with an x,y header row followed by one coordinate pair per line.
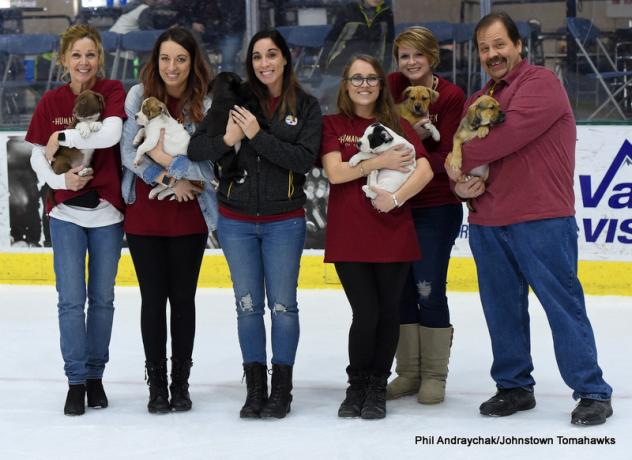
x,y
33,389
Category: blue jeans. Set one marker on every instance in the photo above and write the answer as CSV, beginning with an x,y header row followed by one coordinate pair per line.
x,y
264,259
85,338
541,254
424,298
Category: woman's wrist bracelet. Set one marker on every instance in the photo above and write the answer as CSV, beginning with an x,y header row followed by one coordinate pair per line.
x,y
362,170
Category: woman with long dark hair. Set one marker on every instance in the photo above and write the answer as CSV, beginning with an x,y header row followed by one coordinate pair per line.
x,y
167,238
261,225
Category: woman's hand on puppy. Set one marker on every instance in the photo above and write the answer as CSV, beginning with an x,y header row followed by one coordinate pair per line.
x,y
158,153
246,121
233,133
74,181
185,190
422,132
398,158
383,202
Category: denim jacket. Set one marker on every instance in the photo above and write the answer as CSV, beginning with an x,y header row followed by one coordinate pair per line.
x,y
181,166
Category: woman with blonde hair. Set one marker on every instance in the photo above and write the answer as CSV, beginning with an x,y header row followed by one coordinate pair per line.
x,y
86,214
425,334
372,275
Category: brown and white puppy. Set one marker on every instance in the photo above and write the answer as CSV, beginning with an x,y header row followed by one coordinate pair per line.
x,y
481,116
414,107
154,116
86,113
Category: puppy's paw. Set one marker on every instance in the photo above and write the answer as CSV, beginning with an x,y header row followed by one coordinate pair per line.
x,y
167,192
482,131
455,162
87,171
434,132
138,160
354,161
84,129
368,192
95,125
154,192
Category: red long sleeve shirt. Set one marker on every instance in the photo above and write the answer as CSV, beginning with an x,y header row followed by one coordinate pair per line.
x,y
531,154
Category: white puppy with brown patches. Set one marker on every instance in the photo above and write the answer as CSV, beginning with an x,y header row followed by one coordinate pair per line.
x,y
377,139
154,116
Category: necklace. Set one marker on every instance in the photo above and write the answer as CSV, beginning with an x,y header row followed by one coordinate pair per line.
x,y
492,88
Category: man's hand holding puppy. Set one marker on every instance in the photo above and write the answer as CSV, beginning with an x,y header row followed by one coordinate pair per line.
x,y
465,187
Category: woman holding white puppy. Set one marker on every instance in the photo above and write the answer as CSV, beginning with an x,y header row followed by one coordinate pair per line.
x,y
85,216
371,242
425,335
167,238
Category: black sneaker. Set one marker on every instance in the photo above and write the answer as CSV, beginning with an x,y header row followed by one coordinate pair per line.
x,y
591,412
96,394
508,401
75,400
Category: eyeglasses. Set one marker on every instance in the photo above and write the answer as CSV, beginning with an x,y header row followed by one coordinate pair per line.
x,y
358,80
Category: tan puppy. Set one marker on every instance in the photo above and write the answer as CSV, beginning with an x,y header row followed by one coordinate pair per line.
x,y
86,113
414,107
480,117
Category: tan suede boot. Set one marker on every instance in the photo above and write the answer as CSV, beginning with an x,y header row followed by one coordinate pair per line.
x,y
435,346
407,368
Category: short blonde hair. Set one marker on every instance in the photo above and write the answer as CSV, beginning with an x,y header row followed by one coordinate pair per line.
x,y
421,39
77,32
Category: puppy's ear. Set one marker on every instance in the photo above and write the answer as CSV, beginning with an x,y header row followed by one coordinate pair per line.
x,y
386,136
406,92
473,117
434,95
101,100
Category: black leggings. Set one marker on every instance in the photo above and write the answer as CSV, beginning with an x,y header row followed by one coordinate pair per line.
x,y
374,291
167,268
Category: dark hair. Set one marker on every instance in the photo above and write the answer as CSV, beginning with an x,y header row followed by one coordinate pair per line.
x,y
505,20
385,110
290,87
199,75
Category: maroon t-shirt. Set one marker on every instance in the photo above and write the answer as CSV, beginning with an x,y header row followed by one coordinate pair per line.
x,y
163,217
445,114
357,232
54,113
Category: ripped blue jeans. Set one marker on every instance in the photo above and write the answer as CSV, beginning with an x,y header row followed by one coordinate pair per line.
x,y
264,260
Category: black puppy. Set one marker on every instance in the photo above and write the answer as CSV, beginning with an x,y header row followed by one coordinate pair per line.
x,y
228,90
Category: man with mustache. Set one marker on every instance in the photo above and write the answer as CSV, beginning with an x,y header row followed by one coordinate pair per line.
x,y
524,232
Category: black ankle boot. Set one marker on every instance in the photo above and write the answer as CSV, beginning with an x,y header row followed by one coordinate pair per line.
x,y
75,400
180,371
374,406
96,394
257,386
278,404
356,393
157,381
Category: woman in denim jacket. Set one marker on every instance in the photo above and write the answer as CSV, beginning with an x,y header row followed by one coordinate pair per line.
x,y
167,238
